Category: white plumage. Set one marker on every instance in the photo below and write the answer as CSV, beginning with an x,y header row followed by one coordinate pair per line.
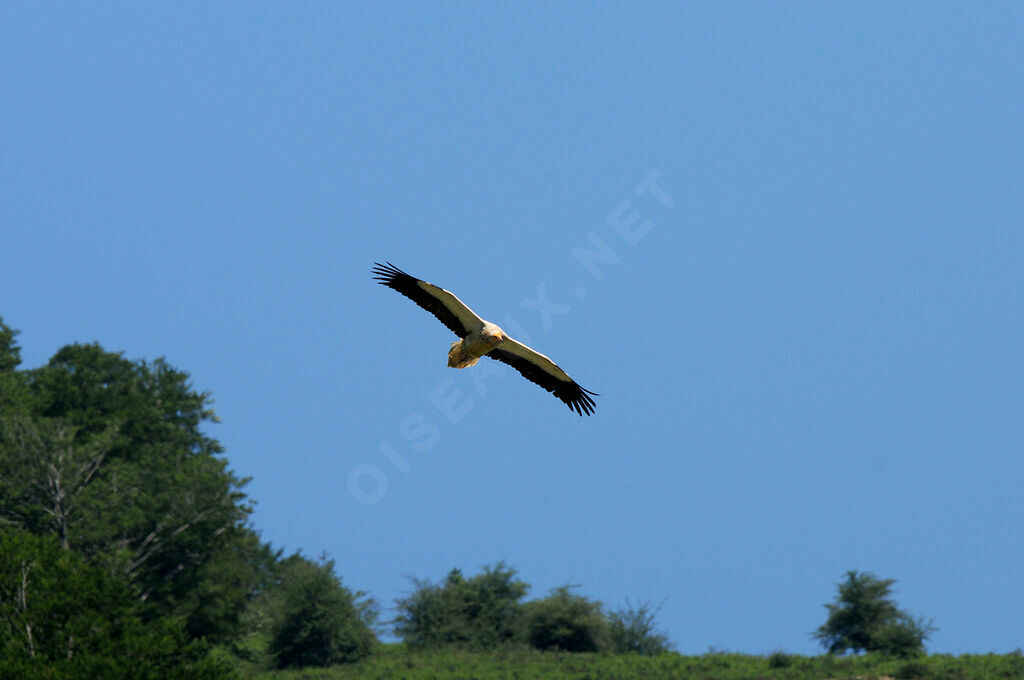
x,y
481,338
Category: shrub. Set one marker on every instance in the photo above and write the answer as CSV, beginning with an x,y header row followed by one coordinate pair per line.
x,y
912,670
633,629
320,622
478,612
864,618
61,617
567,622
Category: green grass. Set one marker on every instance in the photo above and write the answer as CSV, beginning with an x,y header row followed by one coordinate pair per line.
x,y
394,662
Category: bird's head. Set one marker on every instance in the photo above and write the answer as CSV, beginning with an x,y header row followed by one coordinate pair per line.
x,y
496,337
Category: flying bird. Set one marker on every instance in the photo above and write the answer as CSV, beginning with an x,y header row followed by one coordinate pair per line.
x,y
481,338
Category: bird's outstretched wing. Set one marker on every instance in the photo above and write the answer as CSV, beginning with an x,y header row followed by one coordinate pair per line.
x,y
449,310
539,369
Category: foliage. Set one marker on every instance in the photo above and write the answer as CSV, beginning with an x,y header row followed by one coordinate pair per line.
x,y
481,611
44,473
107,454
508,663
124,552
864,618
62,618
320,622
485,612
566,621
226,584
633,629
902,637
780,659
13,386
10,353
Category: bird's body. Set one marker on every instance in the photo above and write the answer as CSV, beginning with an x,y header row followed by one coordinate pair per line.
x,y
482,338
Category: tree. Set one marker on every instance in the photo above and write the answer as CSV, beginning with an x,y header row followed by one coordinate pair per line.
x,y
566,621
44,473
63,618
320,622
478,612
227,583
10,353
633,629
13,388
864,618
160,507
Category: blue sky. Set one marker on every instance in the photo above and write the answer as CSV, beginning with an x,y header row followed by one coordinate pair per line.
x,y
807,340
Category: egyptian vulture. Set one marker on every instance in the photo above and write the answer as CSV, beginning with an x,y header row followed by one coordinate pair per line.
x,y
480,338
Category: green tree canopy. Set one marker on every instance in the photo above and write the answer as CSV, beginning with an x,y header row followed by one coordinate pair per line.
x,y
13,388
44,473
10,353
318,622
63,618
479,612
566,621
109,456
634,629
864,618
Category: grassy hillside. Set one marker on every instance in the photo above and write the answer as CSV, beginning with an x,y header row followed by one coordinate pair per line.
x,y
394,662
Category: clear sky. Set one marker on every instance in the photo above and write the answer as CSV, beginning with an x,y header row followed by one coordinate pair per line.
x,y
783,241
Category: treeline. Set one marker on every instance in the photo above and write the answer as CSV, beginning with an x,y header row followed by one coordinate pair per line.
x,y
126,552
124,544
487,611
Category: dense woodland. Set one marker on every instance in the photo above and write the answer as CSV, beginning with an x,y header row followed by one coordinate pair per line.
x,y
126,551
